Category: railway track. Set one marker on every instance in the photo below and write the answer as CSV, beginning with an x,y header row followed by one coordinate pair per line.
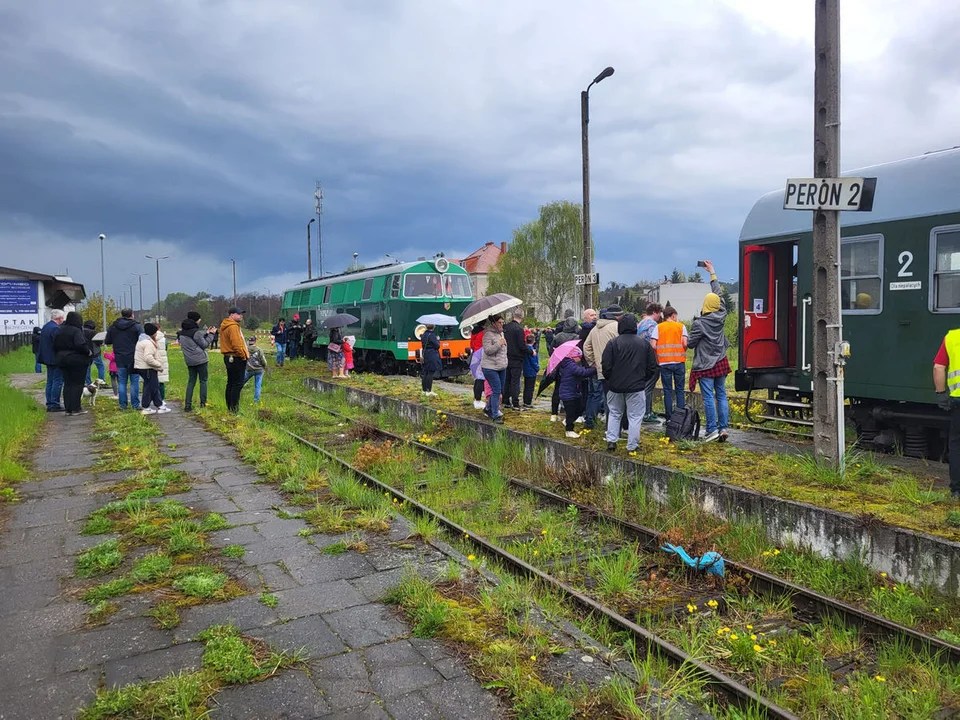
x,y
577,570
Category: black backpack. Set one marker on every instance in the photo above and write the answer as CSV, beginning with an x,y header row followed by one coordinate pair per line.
x,y
684,424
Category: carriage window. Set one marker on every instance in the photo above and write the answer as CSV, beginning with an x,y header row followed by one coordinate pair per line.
x,y
422,285
367,289
758,301
394,287
326,294
861,280
946,273
456,286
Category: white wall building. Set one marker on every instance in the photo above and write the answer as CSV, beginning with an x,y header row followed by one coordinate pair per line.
x,y
26,298
687,298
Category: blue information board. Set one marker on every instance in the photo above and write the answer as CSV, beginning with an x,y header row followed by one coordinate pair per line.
x,y
18,296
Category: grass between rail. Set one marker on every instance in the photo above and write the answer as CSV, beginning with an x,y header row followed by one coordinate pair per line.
x,y
20,423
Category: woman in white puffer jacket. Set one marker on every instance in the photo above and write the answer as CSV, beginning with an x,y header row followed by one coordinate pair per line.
x,y
147,363
163,375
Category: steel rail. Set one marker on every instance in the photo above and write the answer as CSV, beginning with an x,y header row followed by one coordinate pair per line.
x,y
760,581
740,694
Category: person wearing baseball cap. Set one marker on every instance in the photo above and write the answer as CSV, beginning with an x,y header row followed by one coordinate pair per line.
x,y
235,354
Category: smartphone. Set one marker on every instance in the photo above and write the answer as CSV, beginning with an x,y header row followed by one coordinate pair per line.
x,y
701,263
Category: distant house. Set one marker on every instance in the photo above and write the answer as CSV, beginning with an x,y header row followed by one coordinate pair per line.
x,y
687,298
26,298
480,263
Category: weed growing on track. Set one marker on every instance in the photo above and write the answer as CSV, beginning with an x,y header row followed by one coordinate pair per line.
x,y
234,551
99,559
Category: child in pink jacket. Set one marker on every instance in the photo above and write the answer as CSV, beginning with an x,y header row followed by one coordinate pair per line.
x,y
114,374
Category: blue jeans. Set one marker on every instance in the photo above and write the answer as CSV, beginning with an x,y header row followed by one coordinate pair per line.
x,y
54,387
595,401
101,370
281,352
672,377
291,350
497,379
37,367
122,374
714,391
257,383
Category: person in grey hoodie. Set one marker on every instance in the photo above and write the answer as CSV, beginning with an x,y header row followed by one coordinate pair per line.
x,y
494,363
194,342
710,366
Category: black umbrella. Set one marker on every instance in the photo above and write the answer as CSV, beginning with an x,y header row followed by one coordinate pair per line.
x,y
546,381
490,305
339,320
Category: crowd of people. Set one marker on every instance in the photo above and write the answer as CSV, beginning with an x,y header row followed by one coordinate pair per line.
x,y
133,354
603,368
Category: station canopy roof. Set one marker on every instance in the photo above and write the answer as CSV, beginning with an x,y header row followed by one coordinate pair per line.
x,y
59,292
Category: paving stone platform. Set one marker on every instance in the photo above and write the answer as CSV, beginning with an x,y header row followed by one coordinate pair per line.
x,y
363,661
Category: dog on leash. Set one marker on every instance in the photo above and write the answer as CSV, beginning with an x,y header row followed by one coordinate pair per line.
x,y
90,391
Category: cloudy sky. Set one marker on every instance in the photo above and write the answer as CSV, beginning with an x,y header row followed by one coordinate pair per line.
x,y
197,128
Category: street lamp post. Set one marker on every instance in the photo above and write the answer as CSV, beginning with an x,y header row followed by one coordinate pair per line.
x,y
309,251
234,280
355,256
139,277
588,290
130,287
159,304
103,283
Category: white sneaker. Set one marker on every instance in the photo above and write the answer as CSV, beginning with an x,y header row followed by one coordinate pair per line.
x,y
579,420
710,437
572,434
148,411
478,405
554,418
164,409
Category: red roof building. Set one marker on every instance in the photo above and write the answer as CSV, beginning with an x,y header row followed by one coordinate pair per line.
x,y
480,263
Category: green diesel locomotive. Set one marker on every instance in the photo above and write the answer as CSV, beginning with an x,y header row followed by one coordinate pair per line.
x,y
388,299
900,294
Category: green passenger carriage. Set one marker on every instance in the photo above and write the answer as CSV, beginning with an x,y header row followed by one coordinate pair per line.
x,y
900,294
388,299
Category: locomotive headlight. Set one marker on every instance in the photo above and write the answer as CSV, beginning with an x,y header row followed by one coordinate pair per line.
x,y
466,332
441,264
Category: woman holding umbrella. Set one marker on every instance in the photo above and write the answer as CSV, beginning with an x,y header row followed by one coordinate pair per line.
x,y
335,353
494,363
431,360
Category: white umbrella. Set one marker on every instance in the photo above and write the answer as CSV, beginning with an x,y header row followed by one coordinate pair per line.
x,y
438,319
100,337
481,309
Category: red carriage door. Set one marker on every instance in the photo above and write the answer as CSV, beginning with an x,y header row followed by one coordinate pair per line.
x,y
761,326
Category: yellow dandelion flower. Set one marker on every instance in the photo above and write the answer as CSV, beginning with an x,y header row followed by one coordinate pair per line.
x,y
712,603
733,636
543,532
757,648
753,637
936,609
691,607
725,629
883,574
536,552
632,453
533,657
776,552
766,553
772,642
395,500
749,627
439,412
466,535
471,558
879,678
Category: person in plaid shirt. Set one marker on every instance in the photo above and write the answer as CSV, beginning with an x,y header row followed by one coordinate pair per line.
x,y
710,364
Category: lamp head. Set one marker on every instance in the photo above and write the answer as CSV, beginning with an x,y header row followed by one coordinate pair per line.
x,y
102,236
312,221
607,72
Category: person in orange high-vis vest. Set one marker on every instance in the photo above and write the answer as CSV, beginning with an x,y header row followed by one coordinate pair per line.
x,y
671,344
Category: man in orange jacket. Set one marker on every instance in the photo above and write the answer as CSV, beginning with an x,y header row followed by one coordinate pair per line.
x,y
235,353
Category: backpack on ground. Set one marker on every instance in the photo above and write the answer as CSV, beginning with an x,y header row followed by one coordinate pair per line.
x,y
684,424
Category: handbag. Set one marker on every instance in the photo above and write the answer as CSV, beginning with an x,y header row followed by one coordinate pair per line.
x,y
334,347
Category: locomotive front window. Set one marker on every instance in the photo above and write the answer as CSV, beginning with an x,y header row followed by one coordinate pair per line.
x,y
457,286
946,275
395,287
367,289
861,280
422,285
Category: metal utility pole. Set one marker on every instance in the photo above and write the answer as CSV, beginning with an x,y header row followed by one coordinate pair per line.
x,y
588,290
103,283
159,303
234,262
828,421
139,277
269,314
309,251
318,208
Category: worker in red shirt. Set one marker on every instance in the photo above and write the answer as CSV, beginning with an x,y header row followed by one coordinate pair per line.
x,y
946,381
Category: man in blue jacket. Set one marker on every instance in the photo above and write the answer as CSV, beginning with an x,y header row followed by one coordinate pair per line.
x,y
123,335
48,357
